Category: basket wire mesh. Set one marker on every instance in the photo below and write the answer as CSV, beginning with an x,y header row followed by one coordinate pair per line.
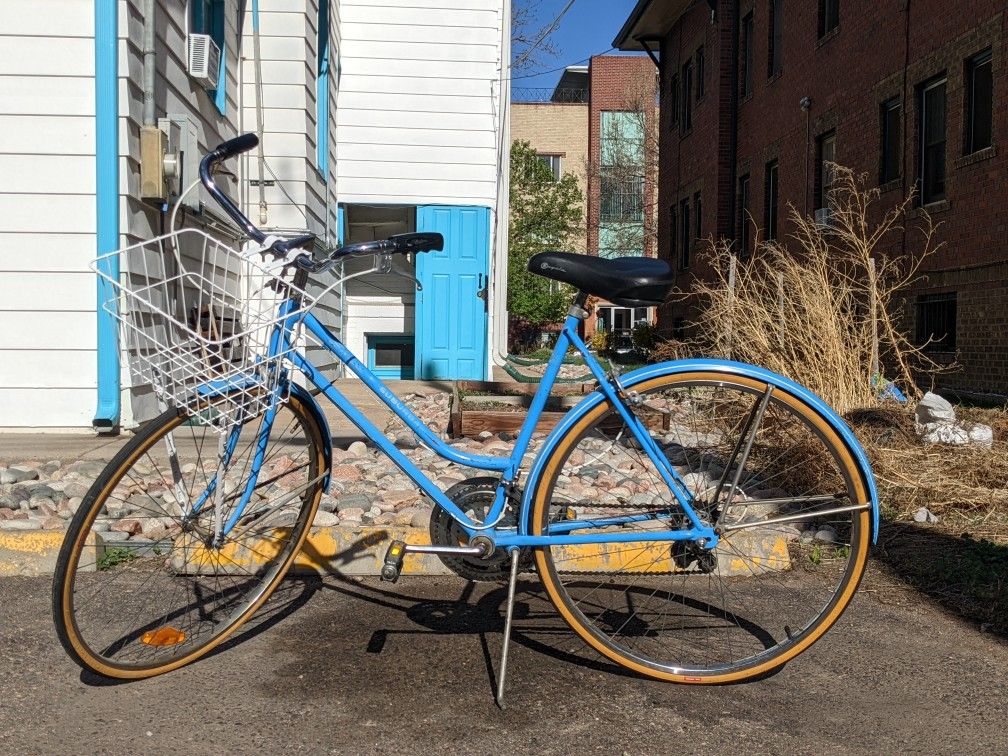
x,y
196,317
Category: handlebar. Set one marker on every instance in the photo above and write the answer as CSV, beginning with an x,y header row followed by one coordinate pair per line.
x,y
400,243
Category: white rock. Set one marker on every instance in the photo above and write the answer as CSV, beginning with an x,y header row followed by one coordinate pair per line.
x,y
981,435
933,408
925,515
358,449
943,432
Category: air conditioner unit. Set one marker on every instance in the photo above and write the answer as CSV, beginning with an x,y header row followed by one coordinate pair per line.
x,y
824,218
204,60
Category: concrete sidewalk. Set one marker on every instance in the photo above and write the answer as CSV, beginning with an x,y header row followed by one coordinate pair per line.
x,y
43,446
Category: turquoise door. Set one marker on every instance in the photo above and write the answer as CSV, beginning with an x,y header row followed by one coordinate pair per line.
x,y
451,310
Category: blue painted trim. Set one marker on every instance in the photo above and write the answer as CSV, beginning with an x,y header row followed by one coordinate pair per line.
x,y
723,366
322,93
219,33
402,373
107,208
215,27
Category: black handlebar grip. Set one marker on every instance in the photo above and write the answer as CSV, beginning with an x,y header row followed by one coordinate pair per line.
x,y
236,146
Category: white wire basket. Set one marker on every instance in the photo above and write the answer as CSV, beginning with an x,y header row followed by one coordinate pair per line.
x,y
196,317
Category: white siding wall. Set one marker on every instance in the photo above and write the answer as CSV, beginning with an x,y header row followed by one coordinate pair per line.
x,y
47,199
289,54
418,101
47,214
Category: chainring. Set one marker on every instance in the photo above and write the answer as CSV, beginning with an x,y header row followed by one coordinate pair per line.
x,y
475,496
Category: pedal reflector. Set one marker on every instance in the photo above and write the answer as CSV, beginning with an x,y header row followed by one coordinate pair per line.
x,y
163,636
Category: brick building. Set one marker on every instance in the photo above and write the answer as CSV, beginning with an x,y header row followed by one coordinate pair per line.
x,y
555,123
600,123
760,94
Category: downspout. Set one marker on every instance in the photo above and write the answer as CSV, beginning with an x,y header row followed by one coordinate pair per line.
x,y
498,307
106,19
260,155
148,63
734,126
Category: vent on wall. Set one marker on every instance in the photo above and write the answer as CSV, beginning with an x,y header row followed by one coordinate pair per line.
x,y
204,60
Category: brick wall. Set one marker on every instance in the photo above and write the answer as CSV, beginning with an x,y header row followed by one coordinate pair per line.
x,y
620,83
882,49
557,129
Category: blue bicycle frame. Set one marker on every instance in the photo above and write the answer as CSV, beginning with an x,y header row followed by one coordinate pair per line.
x,y
508,467
561,533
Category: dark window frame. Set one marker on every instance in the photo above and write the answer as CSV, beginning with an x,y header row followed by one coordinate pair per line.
x,y
933,312
823,181
700,56
686,119
932,153
771,198
829,16
748,57
744,226
774,38
685,231
673,234
974,65
697,216
890,140
674,100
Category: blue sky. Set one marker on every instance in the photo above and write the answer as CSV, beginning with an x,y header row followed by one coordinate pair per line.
x,y
587,29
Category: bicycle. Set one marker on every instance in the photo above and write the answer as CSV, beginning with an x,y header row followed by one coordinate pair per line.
x,y
699,521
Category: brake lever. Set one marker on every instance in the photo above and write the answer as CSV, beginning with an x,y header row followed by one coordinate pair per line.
x,y
386,266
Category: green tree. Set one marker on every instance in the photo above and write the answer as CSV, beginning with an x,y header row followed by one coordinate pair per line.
x,y
545,215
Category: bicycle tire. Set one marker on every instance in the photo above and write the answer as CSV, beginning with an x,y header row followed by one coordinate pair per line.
x,y
712,634
129,647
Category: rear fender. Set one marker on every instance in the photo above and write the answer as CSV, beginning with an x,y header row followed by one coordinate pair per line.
x,y
631,379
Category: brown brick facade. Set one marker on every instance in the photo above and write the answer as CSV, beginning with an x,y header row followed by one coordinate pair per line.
x,y
557,129
881,50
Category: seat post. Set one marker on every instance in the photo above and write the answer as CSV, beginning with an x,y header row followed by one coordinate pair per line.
x,y
578,309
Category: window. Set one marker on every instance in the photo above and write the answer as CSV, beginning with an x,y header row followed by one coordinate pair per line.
x,y
687,97
932,141
685,234
553,162
979,102
207,17
774,39
744,226
771,190
698,216
674,100
889,160
391,355
673,231
825,154
747,54
700,73
829,16
622,199
936,322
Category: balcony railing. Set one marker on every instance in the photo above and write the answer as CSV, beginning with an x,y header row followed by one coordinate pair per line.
x,y
548,94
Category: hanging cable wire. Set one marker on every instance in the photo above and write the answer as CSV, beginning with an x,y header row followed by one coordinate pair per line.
x,y
549,29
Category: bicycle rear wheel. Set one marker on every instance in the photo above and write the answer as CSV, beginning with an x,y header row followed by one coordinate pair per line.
x,y
794,535
142,585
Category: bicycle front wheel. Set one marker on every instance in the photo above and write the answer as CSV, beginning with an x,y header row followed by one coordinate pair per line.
x,y
787,497
147,580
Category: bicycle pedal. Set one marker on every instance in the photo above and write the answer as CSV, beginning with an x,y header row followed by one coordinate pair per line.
x,y
393,565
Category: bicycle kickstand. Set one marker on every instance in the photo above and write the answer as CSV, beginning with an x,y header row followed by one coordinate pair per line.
x,y
507,627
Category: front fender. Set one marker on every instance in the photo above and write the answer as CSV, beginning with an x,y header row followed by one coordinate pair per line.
x,y
313,407
634,377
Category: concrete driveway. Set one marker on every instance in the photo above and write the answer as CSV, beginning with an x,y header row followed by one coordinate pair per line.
x,y
352,666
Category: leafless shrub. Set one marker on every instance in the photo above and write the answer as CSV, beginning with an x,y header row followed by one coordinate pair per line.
x,y
820,308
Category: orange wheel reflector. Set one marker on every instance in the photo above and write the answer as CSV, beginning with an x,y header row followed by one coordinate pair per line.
x,y
163,636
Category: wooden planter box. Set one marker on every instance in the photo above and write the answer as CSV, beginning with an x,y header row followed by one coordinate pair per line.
x,y
469,419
